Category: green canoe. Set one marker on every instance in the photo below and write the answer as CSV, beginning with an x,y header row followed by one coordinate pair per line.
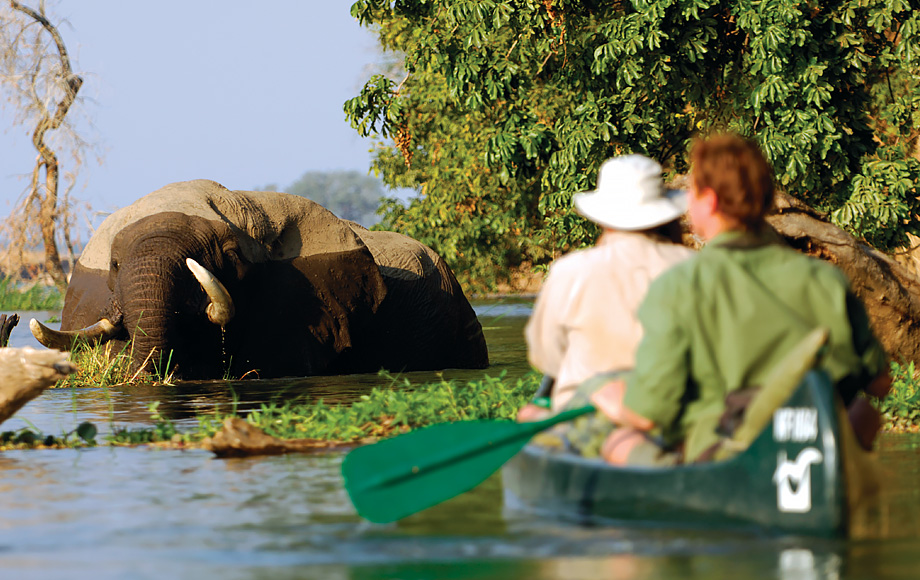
x,y
792,478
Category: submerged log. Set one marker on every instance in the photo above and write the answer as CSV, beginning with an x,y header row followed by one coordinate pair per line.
x,y
238,438
889,289
25,373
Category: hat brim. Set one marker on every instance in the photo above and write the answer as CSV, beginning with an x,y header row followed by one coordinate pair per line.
x,y
600,210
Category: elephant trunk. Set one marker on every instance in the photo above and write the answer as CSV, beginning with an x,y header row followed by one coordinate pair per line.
x,y
150,305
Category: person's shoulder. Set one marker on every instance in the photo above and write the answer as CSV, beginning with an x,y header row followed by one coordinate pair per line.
x,y
824,270
572,263
801,263
667,292
687,260
679,274
675,252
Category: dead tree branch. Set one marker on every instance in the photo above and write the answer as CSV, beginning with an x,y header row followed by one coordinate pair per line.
x,y
42,87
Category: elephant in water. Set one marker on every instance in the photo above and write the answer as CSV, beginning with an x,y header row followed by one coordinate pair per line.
x,y
214,282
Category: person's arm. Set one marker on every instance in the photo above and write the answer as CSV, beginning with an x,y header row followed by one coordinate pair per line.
x,y
654,392
609,401
875,378
545,333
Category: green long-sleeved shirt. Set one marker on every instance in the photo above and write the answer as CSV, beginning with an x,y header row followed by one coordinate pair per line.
x,y
719,322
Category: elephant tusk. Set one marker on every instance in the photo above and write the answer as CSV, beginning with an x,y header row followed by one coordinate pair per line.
x,y
220,310
64,339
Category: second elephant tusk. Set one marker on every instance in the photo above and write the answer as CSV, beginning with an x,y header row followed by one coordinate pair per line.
x,y
64,339
220,310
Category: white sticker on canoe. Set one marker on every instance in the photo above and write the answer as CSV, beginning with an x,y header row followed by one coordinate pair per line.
x,y
793,480
799,424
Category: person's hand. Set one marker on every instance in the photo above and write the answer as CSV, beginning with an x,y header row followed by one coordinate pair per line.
x,y
531,412
865,420
609,400
880,386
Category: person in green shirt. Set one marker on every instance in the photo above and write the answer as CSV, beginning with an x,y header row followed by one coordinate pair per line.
x,y
720,321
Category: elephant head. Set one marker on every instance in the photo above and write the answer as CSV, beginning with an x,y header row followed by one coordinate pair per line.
x,y
208,281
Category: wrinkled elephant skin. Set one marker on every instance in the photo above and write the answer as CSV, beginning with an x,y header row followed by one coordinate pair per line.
x,y
210,282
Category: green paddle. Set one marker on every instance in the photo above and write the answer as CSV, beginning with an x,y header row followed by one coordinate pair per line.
x,y
398,477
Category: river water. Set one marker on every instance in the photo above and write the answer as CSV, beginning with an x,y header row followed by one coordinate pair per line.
x,y
144,513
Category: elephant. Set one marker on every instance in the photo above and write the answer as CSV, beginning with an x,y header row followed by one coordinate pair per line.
x,y
213,283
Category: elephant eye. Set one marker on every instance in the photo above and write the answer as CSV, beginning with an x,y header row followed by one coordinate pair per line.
x,y
114,265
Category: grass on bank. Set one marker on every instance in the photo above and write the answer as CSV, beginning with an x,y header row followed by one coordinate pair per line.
x,y
901,408
35,297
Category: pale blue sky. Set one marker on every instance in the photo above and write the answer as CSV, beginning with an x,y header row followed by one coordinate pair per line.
x,y
244,93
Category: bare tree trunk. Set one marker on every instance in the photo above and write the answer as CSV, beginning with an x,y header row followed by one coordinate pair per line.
x,y
890,291
47,159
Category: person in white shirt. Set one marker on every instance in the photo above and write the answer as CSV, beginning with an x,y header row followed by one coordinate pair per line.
x,y
584,320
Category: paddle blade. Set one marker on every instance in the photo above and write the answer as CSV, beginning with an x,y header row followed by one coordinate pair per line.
x,y
398,477
413,486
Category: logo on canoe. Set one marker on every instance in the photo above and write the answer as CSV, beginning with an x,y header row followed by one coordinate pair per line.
x,y
793,480
799,424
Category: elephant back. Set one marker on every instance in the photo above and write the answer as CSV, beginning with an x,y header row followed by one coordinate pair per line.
x,y
269,225
398,256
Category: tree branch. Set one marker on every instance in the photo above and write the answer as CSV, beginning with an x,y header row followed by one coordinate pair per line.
x,y
48,159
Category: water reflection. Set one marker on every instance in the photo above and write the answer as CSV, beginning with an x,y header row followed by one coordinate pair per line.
x,y
885,517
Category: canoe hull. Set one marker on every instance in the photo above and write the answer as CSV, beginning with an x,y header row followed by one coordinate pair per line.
x,y
791,479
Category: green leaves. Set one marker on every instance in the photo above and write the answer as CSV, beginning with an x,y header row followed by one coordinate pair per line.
x,y
372,108
389,411
511,106
883,204
87,432
901,408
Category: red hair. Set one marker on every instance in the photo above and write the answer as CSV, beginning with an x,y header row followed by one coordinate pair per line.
x,y
740,175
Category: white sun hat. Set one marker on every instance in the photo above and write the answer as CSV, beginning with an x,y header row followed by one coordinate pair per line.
x,y
631,196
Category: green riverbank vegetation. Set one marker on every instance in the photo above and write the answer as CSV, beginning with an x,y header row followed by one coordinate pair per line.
x,y
901,408
384,412
34,297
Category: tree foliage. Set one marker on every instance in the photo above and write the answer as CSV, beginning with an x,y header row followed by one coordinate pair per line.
x,y
506,108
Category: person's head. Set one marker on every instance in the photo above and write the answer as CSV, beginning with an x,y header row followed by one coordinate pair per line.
x,y
631,196
732,186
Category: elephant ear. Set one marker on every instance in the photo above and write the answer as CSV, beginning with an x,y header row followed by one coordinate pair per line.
x,y
88,298
349,288
426,321
305,314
